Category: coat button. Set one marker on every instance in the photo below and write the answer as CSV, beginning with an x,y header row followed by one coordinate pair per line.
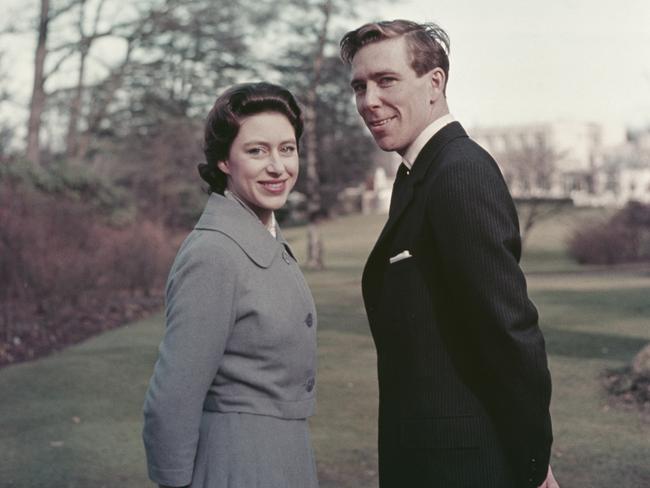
x,y
285,256
310,384
309,320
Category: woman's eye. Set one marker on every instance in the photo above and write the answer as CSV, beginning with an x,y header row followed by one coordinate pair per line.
x,y
288,149
255,151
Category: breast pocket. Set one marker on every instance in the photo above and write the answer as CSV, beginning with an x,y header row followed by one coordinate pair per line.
x,y
406,290
399,276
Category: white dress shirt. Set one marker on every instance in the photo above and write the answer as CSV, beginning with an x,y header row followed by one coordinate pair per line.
x,y
427,133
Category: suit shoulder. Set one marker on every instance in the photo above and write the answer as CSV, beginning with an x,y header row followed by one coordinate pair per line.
x,y
464,161
467,154
467,172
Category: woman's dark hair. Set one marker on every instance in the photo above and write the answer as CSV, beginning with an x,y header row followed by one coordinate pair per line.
x,y
224,120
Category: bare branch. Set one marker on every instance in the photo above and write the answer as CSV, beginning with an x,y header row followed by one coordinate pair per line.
x,y
81,18
58,64
74,45
64,9
98,14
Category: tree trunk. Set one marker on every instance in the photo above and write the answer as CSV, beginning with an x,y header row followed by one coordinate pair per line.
x,y
37,104
314,208
102,101
72,138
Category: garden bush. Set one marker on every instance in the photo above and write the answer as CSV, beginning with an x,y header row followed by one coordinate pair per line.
x,y
624,238
64,265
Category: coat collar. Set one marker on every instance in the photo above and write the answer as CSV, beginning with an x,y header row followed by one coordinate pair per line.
x,y
230,218
427,156
425,162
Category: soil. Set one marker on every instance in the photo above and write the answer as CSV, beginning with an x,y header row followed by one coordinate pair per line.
x,y
628,390
40,334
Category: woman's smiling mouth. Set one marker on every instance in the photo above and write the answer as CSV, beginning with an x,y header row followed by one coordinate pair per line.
x,y
274,186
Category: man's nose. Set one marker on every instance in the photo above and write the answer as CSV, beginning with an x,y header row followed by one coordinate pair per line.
x,y
371,97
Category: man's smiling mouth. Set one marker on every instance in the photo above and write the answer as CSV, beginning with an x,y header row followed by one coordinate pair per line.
x,y
377,124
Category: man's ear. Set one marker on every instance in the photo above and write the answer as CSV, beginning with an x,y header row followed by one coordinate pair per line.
x,y
438,79
223,166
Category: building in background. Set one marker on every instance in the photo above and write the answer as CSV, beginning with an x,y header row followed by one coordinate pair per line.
x,y
588,163
554,159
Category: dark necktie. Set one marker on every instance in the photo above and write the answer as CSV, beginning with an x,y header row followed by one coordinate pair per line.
x,y
400,179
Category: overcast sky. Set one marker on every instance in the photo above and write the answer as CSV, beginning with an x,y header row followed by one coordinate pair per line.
x,y
517,61
522,60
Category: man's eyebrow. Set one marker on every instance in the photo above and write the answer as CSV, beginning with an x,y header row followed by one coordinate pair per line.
x,y
374,75
379,74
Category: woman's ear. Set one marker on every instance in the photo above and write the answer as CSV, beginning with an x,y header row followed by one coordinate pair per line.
x,y
223,166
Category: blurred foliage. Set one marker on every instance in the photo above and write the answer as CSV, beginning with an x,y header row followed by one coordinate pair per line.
x,y
624,238
114,176
71,181
137,133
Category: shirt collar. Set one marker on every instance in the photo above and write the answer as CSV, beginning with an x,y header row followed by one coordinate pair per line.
x,y
427,133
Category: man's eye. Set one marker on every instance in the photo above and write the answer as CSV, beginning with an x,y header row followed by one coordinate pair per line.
x,y
288,149
386,81
358,88
255,151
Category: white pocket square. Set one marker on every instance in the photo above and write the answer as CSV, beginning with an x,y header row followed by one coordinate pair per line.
x,y
399,257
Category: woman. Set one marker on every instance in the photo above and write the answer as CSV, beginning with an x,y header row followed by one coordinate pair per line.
x,y
235,379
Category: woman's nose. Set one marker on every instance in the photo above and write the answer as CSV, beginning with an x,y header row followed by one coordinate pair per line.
x,y
274,166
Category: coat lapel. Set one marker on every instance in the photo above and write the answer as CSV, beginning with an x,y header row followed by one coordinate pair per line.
x,y
230,218
403,192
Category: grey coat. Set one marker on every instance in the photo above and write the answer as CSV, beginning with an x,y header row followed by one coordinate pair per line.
x,y
240,337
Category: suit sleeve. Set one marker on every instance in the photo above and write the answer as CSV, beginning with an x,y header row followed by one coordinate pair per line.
x,y
200,312
475,227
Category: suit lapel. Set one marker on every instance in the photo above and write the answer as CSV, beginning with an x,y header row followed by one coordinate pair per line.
x,y
404,190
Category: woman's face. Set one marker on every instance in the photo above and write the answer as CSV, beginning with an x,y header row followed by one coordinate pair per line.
x,y
262,165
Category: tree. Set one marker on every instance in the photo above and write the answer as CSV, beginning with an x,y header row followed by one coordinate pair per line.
x,y
315,244
171,58
187,53
530,167
183,55
83,46
6,131
335,145
43,69
37,103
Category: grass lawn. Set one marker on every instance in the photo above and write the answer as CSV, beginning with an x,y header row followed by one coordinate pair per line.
x,y
73,419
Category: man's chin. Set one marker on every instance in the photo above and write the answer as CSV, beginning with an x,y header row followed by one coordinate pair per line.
x,y
385,143
388,146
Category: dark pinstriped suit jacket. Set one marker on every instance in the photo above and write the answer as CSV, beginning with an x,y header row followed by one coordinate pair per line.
x,y
463,378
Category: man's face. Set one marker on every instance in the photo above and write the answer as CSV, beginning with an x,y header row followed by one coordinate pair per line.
x,y
393,101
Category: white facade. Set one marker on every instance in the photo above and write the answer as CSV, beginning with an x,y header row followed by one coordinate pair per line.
x,y
634,184
592,164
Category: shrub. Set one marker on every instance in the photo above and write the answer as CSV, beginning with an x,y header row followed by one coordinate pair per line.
x,y
625,238
56,254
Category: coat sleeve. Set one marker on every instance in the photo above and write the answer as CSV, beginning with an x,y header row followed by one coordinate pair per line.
x,y
200,312
475,227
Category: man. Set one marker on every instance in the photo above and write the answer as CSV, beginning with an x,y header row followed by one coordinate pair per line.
x,y
464,387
